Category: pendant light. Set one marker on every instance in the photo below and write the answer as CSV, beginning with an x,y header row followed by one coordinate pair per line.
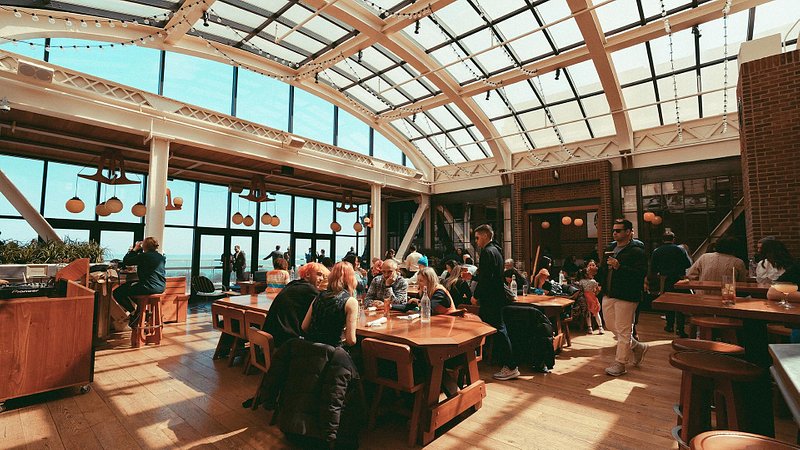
x,y
266,219
237,218
102,210
336,227
566,220
75,205
358,227
248,221
578,222
545,225
139,210
275,221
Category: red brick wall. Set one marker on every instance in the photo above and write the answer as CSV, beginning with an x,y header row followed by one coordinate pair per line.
x,y
769,99
580,181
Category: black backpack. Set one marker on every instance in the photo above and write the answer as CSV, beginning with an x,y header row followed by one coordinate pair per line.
x,y
531,335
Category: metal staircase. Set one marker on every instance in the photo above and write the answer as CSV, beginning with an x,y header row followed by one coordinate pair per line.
x,y
720,229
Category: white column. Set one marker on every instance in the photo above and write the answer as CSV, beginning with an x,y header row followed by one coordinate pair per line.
x,y
157,189
376,238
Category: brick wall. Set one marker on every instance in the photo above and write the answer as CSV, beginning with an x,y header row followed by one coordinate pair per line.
x,y
769,114
576,182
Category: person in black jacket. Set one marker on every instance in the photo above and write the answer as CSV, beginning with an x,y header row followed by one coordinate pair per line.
x,y
489,293
627,268
239,262
150,271
291,305
670,261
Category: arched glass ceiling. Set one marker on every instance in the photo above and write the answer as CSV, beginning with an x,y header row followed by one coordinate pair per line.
x,y
470,79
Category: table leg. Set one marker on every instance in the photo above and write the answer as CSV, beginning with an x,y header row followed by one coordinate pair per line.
x,y
436,359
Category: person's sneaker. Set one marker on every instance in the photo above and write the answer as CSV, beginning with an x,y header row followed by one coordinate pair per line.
x,y
639,352
134,318
589,331
616,369
506,374
600,331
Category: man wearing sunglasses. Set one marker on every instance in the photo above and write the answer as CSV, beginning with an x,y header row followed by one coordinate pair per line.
x,y
626,267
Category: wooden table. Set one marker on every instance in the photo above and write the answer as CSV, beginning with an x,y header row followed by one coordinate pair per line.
x,y
754,289
786,372
251,287
552,307
257,302
755,314
442,339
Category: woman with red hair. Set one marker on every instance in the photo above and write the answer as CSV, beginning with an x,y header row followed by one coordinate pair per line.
x,y
335,309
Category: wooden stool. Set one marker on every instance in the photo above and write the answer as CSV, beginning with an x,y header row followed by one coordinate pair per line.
x,y
229,321
147,330
725,326
707,376
702,345
401,379
261,348
252,319
737,440
778,333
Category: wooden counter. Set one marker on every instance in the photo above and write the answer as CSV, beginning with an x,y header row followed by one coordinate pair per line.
x,y
46,343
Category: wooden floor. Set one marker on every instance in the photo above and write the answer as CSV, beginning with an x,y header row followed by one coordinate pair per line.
x,y
175,396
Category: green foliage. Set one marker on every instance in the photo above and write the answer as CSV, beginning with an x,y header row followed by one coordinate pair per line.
x,y
35,252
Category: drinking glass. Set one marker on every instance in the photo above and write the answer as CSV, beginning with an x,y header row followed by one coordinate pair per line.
x,y
728,290
785,288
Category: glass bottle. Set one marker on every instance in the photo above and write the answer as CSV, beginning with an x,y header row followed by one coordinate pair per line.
x,y
425,306
513,285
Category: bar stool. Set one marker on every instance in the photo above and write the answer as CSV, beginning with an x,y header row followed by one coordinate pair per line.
x,y
376,356
737,440
707,375
147,330
725,326
778,333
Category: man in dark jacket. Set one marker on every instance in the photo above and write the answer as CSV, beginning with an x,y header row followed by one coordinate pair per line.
x,y
239,262
627,266
489,293
669,262
150,271
290,306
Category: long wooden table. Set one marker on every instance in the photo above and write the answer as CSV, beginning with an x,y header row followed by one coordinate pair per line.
x,y
552,307
786,372
255,302
443,339
755,314
742,287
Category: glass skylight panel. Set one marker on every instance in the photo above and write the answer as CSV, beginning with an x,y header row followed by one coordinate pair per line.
x,y
367,99
417,90
428,37
534,120
564,33
639,94
531,46
689,109
551,89
712,37
332,76
595,105
300,40
237,15
499,9
776,17
444,117
682,51
221,32
452,152
267,45
375,59
617,14
574,132
459,17
544,138
324,27
458,70
603,126
431,153
353,69
494,60
494,106
585,78
459,114
294,15
405,129
653,8
521,96
631,64
642,118
120,6
713,79
467,140
269,5
393,96
566,112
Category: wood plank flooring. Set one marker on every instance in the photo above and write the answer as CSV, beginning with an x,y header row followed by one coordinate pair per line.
x,y
175,396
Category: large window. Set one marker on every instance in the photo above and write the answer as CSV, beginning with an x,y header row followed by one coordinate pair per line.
x,y
198,81
129,194
26,174
324,216
385,150
129,65
312,117
303,215
16,230
353,134
32,48
61,181
263,100
185,190
177,248
210,214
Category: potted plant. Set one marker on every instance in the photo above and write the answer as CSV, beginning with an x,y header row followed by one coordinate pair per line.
x,y
53,252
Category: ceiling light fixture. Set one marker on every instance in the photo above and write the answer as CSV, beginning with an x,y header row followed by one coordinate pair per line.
x,y
558,73
205,18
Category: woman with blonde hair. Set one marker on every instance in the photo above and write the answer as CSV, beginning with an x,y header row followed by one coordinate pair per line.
x,y
455,284
441,301
334,309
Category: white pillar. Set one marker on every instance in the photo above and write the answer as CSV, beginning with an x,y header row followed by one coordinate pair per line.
x,y
376,238
157,189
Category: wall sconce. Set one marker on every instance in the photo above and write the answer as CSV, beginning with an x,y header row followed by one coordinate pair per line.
x,y
566,220
578,222
545,225
368,221
173,204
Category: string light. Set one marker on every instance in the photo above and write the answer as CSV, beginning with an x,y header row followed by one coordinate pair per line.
x,y
668,29
725,11
385,13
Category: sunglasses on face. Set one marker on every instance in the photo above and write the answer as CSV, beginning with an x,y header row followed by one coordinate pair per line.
x,y
618,230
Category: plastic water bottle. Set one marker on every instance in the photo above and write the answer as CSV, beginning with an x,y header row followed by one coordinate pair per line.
x,y
561,278
513,285
425,306
752,268
291,274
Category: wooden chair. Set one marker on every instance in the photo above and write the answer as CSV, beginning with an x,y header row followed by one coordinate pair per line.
x,y
174,300
726,328
713,377
203,289
261,348
147,330
380,355
727,440
252,319
229,321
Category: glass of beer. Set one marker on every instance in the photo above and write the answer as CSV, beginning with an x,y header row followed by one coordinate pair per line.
x,y
728,290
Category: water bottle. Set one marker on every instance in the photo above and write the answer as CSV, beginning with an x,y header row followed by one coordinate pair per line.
x,y
291,274
561,278
425,306
752,268
513,285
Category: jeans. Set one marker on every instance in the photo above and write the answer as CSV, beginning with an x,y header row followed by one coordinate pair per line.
x,y
501,346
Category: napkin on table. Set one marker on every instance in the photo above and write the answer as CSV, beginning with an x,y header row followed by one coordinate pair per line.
x,y
377,322
409,317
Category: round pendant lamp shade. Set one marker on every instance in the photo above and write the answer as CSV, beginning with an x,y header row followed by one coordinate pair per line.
x,y
75,205
336,227
101,210
358,227
566,220
139,210
114,205
649,216
248,221
266,219
657,220
275,221
237,218
545,225
578,222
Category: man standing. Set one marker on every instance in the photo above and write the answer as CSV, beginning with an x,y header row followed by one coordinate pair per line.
x,y
669,262
491,297
227,266
275,254
627,267
239,262
311,256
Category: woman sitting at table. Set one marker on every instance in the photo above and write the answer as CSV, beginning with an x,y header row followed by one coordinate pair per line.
x,y
441,301
776,259
279,277
334,309
459,289
541,284
711,266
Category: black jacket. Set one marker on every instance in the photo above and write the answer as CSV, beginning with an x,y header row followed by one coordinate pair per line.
x,y
310,382
627,282
489,290
531,335
287,312
149,269
671,262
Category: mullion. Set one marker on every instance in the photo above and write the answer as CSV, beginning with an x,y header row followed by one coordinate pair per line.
x,y
414,125
699,80
652,66
466,127
447,137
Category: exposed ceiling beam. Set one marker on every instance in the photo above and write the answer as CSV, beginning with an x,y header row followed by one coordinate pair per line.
x,y
595,42
682,20
190,12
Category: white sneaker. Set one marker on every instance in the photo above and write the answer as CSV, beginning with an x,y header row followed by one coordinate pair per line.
x,y
600,330
639,352
506,374
590,331
616,369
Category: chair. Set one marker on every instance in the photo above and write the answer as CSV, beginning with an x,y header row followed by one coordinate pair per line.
x,y
726,328
261,348
203,288
713,377
252,319
147,330
174,300
727,440
230,322
392,365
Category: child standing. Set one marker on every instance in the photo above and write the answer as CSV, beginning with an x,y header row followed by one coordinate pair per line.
x,y
590,290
